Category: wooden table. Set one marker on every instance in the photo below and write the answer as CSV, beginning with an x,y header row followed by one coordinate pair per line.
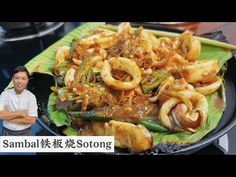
x,y
228,28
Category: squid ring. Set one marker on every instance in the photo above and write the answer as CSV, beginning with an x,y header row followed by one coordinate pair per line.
x,y
164,111
209,89
63,53
105,39
180,111
69,77
123,64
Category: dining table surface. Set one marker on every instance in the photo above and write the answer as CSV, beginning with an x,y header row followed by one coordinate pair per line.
x,y
228,28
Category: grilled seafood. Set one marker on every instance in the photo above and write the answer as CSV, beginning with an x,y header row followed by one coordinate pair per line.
x,y
140,49
124,29
188,46
200,71
151,39
165,110
135,137
187,118
123,64
70,77
104,38
209,89
63,53
116,80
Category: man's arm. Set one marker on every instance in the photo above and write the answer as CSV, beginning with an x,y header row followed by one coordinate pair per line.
x,y
24,120
6,115
18,117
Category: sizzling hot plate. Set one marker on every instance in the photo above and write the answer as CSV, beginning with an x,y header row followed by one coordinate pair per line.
x,y
40,84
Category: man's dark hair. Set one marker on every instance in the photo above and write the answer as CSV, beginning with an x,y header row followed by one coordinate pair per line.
x,y
21,69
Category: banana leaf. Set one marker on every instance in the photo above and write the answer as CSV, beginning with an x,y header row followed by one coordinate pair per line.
x,y
44,63
211,52
70,132
59,118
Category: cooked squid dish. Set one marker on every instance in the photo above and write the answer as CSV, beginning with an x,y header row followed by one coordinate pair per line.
x,y
129,83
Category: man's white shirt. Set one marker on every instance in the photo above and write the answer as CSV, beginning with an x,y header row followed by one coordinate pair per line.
x,y
18,102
